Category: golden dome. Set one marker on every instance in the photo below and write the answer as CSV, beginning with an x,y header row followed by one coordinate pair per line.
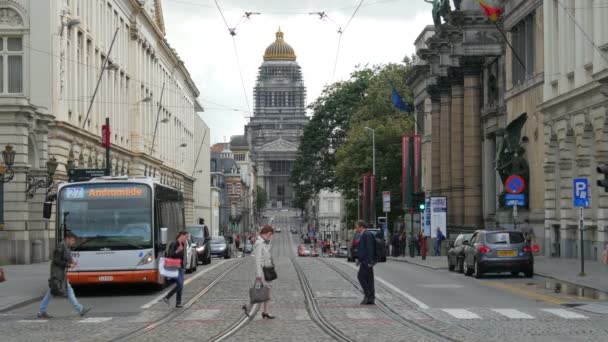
x,y
279,50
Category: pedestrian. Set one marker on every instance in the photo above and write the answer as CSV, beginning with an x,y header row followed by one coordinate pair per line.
x,y
366,259
438,241
237,241
419,238
402,243
416,241
176,250
58,283
264,259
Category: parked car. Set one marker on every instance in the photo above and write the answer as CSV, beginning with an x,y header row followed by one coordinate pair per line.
x,y
303,251
342,252
220,247
248,248
498,251
293,230
456,252
191,256
200,237
277,230
314,252
352,255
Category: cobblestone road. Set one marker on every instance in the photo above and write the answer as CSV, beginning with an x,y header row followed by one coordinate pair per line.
x,y
491,314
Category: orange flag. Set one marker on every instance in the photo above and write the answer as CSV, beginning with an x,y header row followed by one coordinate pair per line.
x,y
493,13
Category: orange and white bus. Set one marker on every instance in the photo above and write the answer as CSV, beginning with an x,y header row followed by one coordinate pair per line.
x,y
122,225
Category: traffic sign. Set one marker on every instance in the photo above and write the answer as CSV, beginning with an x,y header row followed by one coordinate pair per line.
x,y
515,184
386,201
83,175
515,200
581,192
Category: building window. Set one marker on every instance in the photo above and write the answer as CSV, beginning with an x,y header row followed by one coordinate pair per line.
x,y
523,38
11,65
330,205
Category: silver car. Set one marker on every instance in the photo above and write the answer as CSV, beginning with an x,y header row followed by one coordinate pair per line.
x,y
498,251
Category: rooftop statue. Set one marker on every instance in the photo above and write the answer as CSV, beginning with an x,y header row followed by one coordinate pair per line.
x,y
441,8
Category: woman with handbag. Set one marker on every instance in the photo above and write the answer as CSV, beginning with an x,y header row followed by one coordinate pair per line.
x,y
176,250
265,272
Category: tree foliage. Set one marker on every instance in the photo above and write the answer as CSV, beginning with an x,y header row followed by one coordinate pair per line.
x,y
261,198
336,149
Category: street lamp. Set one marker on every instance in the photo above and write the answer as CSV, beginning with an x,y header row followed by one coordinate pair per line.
x,y
32,184
6,170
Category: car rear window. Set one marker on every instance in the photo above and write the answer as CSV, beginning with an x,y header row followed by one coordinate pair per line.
x,y
505,238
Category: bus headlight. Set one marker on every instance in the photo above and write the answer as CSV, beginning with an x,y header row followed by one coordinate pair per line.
x,y
148,258
200,249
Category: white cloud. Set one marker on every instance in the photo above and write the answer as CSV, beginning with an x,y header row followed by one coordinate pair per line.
x,y
383,31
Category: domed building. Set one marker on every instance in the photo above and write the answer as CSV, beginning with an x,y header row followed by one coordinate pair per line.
x,y
278,119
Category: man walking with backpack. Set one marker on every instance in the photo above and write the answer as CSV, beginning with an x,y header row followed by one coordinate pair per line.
x,y
58,282
366,260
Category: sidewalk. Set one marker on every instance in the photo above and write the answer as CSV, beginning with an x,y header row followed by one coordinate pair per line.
x,y
24,284
565,270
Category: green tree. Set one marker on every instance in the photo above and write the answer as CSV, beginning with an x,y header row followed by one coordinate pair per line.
x,y
261,198
335,149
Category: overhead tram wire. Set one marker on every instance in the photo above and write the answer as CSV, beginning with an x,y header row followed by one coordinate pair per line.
x,y
232,31
341,33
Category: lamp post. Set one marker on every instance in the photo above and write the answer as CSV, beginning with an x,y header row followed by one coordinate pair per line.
x,y
372,189
6,175
32,184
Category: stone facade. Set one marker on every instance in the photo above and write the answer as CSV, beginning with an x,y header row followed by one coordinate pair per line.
x,y
574,115
331,209
56,51
457,64
278,120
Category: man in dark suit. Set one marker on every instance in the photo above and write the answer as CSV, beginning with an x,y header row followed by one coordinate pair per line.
x,y
366,251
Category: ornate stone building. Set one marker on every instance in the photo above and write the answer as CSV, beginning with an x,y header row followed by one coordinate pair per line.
x,y
278,120
575,117
458,85
53,53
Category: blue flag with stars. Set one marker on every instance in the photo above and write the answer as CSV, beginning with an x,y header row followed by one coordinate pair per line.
x,y
398,101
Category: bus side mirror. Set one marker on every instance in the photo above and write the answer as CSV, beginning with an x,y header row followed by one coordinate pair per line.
x,y
47,209
163,235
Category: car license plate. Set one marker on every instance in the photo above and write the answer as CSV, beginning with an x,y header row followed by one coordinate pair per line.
x,y
507,253
106,278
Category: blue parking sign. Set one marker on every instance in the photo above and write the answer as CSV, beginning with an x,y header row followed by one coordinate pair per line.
x,y
581,192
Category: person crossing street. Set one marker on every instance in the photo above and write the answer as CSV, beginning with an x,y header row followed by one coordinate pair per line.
x,y
58,282
366,260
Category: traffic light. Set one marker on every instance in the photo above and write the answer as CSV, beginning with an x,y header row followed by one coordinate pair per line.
x,y
419,200
603,169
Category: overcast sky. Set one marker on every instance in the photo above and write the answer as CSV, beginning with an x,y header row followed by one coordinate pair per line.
x,y
382,31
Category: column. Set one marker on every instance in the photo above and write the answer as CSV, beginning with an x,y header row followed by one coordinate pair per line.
x,y
568,216
472,145
445,101
456,149
435,147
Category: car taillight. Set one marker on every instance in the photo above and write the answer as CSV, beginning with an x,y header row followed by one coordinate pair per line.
x,y
484,249
527,249
535,249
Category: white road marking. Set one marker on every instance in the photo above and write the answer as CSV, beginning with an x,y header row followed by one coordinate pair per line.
x,y
564,313
95,320
188,281
398,291
512,313
461,313
359,314
441,286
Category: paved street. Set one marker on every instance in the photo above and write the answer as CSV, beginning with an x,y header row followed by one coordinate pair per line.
x,y
317,299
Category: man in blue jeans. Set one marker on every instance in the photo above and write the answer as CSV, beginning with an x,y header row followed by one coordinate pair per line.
x,y
62,260
440,238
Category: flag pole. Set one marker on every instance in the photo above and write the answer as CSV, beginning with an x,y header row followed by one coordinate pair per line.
x,y
509,44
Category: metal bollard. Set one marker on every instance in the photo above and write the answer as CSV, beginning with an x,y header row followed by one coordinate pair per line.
x,y
37,251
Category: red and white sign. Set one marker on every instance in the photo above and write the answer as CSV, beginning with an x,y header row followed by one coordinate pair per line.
x,y
515,184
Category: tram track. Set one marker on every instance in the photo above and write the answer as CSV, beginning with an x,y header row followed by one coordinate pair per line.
x,y
243,320
390,312
313,309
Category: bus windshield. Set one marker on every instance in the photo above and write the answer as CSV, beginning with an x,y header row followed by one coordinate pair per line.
x,y
107,216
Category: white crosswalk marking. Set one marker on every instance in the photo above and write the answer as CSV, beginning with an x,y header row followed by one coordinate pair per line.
x,y
564,313
512,313
95,320
461,313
